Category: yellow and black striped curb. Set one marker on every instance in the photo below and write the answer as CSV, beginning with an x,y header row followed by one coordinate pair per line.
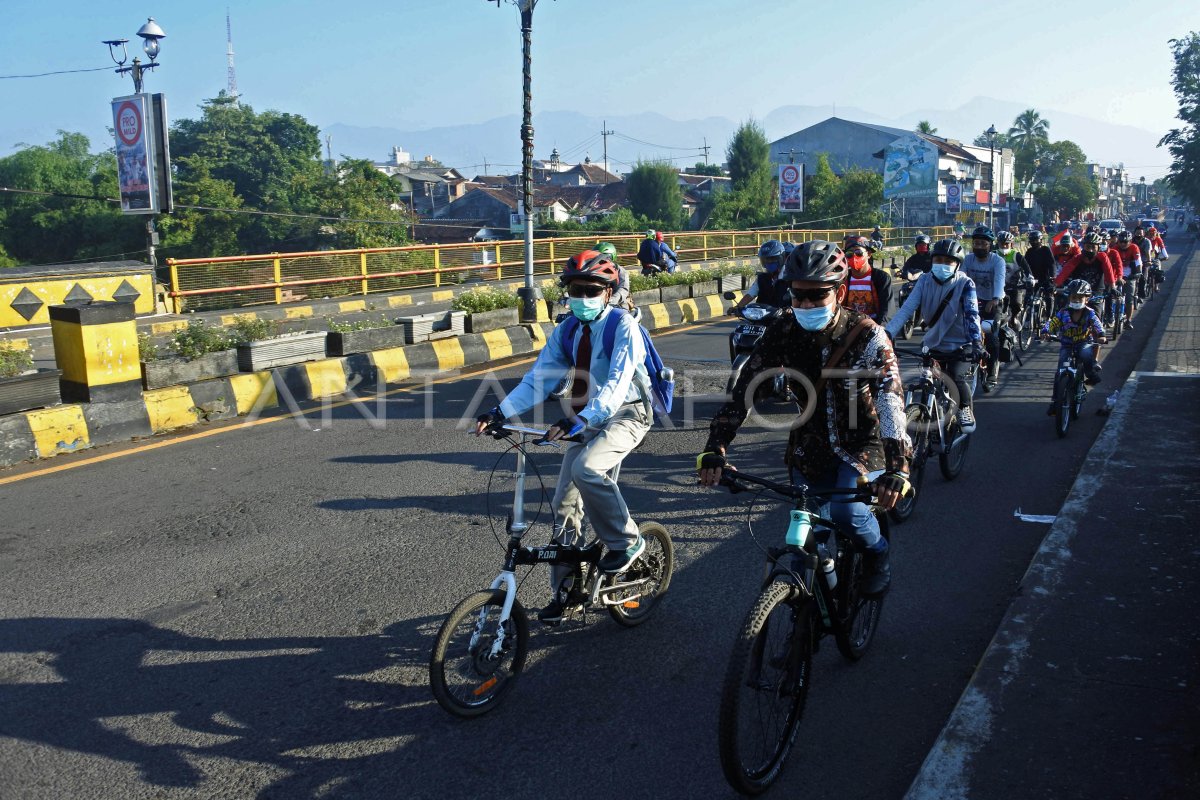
x,y
68,428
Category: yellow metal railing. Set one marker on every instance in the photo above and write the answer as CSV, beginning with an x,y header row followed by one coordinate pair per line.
x,y
274,278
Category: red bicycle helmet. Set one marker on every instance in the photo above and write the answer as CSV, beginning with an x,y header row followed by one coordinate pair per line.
x,y
593,266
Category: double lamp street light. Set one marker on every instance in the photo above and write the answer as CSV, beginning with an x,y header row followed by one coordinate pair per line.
x,y
151,35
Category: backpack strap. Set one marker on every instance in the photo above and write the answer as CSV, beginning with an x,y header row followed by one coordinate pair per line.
x,y
569,326
941,309
608,336
863,324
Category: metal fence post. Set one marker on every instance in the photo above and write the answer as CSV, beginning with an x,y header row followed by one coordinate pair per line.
x,y
278,280
704,244
437,266
362,268
176,301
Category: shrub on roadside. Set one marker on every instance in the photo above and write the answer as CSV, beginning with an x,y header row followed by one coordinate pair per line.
x,y
337,326
484,298
248,329
197,339
148,349
13,362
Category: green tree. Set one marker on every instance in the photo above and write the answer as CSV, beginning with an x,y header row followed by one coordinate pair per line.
x,y
653,190
41,228
751,200
1069,195
1184,142
1002,140
1028,136
707,169
850,200
926,127
1027,128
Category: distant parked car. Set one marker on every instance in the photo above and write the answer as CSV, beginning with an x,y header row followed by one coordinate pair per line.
x,y
1111,224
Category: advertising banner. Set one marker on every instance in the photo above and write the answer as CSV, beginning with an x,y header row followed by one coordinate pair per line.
x,y
136,154
791,188
953,198
910,168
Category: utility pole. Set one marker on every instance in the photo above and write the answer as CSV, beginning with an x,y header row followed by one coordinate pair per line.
x,y
485,166
605,132
705,148
329,149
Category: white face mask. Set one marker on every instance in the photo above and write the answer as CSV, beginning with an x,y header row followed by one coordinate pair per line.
x,y
1005,251
1076,306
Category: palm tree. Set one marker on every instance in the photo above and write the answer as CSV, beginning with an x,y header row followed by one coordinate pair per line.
x,y
924,126
1028,127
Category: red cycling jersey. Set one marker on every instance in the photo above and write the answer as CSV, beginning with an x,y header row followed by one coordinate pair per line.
x,y
1130,254
1076,262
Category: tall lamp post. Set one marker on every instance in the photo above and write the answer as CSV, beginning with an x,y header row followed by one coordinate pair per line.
x,y
151,34
529,293
991,134
1143,181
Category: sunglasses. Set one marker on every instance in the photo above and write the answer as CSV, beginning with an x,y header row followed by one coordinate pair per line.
x,y
585,290
856,251
811,295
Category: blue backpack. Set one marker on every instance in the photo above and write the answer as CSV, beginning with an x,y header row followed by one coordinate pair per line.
x,y
662,378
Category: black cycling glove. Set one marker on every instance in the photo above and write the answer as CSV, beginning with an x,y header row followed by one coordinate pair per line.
x,y
492,418
896,481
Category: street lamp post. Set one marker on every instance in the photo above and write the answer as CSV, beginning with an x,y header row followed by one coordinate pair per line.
x,y
530,294
991,133
150,33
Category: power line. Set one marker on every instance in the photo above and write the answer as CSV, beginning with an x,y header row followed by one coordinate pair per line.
x,y
57,72
651,144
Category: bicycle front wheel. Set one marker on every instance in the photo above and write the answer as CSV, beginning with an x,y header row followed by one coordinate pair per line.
x,y
919,425
469,679
650,576
953,456
766,685
1064,391
1028,324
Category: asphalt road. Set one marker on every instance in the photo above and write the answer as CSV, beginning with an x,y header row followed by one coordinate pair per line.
x,y
250,614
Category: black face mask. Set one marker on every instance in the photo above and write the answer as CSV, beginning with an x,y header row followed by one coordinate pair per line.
x,y
982,252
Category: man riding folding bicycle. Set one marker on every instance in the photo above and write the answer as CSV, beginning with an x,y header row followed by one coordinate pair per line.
x,y
610,409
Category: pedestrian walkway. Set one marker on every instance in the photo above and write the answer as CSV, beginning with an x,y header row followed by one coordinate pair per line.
x,y
1091,686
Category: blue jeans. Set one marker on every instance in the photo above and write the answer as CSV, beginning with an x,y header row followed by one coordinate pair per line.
x,y
1087,358
856,518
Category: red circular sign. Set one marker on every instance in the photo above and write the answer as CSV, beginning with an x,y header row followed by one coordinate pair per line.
x,y
129,123
790,174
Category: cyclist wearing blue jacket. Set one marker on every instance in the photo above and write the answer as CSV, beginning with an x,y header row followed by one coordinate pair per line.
x,y
987,270
610,408
946,299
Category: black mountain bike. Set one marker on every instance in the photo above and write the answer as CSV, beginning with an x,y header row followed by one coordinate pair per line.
x,y
1070,390
1038,307
480,649
932,425
811,591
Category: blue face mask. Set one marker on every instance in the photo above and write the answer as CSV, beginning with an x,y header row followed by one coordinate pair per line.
x,y
587,308
944,272
813,319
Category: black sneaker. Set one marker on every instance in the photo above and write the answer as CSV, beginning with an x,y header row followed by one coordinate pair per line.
x,y
877,573
616,561
553,613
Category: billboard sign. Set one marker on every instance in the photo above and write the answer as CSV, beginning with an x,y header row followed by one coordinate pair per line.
x,y
910,168
137,167
953,198
791,188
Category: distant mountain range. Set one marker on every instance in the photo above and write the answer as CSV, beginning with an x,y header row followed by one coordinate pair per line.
x,y
651,135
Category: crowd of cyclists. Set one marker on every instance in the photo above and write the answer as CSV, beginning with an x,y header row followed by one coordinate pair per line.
x,y
840,313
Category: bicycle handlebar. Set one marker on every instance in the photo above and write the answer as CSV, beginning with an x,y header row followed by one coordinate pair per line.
x,y
538,434
732,479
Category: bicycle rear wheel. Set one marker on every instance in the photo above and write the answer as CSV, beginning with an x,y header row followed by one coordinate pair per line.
x,y
1064,389
466,679
654,566
858,615
918,428
766,684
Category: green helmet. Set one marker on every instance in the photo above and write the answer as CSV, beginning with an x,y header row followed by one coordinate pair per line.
x,y
608,248
650,233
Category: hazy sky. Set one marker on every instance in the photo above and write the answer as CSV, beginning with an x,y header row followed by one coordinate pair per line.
x,y
425,63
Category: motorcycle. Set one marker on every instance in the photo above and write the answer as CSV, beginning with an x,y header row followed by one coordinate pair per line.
x,y
915,319
742,341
